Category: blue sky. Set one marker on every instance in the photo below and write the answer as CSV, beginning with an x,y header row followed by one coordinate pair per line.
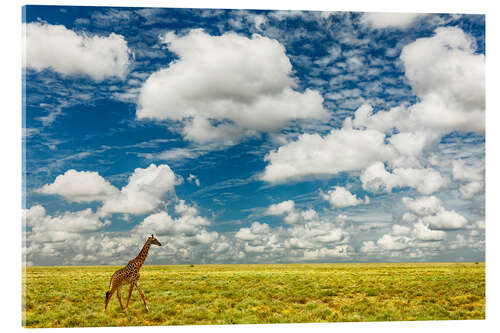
x,y
252,136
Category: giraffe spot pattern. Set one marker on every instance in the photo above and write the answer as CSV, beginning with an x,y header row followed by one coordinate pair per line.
x,y
130,275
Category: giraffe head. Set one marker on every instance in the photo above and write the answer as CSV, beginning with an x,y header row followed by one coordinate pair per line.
x,y
154,241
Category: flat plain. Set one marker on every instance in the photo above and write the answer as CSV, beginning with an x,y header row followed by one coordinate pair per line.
x,y
73,296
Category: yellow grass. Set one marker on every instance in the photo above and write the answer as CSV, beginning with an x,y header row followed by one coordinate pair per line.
x,y
228,294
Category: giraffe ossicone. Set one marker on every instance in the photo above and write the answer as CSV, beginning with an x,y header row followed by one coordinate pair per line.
x,y
130,275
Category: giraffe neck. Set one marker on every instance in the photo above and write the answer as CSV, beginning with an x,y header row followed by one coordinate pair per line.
x,y
141,257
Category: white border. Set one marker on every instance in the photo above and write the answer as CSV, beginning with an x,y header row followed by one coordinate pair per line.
x,y
10,132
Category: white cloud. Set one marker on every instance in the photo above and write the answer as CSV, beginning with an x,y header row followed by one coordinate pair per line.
x,y
193,179
312,155
341,197
307,237
258,240
473,175
413,144
389,242
312,234
428,220
422,232
70,53
469,190
80,186
159,223
259,20
448,77
398,230
376,178
479,224
34,213
46,228
188,224
462,171
390,20
451,97
225,87
380,121
423,206
256,231
446,220
146,189
281,208
322,253
72,238
449,84
368,246
144,192
431,213
292,215
176,154
333,53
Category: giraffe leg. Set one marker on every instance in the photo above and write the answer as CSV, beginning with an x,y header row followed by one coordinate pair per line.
x,y
129,294
142,295
119,295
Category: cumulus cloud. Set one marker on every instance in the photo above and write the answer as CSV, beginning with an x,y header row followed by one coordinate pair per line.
x,y
313,155
336,252
304,236
403,242
376,178
424,205
463,171
291,214
446,220
311,240
76,237
46,228
399,230
146,189
449,84
448,77
258,240
188,224
80,186
256,231
390,20
224,87
281,208
380,121
144,192
340,197
69,53
311,234
368,246
390,242
430,212
422,232
472,175
469,190
427,225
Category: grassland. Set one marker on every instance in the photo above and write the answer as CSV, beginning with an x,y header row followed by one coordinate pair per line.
x,y
232,294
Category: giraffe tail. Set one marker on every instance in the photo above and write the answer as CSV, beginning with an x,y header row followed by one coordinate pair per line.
x,y
107,296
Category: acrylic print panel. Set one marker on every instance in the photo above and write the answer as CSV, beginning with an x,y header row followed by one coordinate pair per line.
x,y
253,166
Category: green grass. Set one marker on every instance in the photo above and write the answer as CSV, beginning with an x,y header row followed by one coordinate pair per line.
x,y
234,294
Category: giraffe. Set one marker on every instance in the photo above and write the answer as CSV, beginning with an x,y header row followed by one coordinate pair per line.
x,y
130,275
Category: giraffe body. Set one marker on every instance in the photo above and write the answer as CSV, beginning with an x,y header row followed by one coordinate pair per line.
x,y
130,275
